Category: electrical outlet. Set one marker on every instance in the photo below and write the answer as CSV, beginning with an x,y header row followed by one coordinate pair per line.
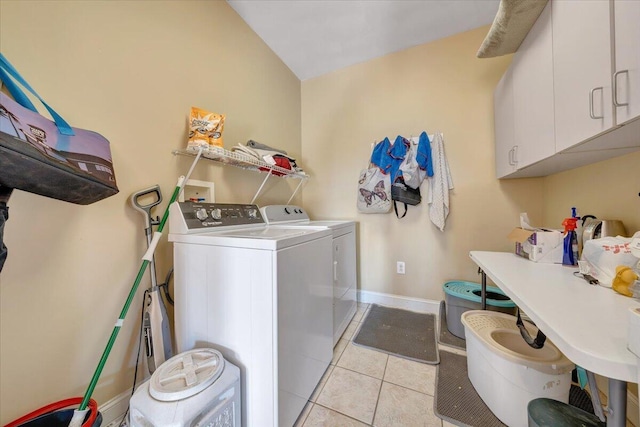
x,y
400,267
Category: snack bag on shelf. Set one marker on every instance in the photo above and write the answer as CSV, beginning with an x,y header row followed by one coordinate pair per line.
x,y
205,128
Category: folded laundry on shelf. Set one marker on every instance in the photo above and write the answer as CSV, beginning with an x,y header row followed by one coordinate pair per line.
x,y
254,144
243,149
275,158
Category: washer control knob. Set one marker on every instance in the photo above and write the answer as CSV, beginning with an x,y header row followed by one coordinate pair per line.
x,y
216,213
201,214
253,213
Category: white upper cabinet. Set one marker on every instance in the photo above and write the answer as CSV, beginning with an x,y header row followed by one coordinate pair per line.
x,y
581,70
523,103
626,79
533,104
571,96
504,122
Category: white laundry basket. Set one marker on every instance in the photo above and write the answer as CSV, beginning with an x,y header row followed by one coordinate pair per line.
x,y
506,372
195,388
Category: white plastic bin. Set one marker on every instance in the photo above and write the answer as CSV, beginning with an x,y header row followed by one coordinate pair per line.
x,y
506,372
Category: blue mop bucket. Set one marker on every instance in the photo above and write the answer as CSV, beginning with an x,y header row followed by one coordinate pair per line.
x,y
461,296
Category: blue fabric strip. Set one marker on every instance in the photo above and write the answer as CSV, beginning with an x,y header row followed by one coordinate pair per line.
x,y
21,98
15,91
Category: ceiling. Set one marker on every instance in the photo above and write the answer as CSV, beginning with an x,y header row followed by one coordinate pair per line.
x,y
315,37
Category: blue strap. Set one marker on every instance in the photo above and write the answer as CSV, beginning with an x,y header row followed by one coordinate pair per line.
x,y
15,91
7,70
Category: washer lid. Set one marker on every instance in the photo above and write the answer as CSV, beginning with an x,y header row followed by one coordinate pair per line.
x,y
186,374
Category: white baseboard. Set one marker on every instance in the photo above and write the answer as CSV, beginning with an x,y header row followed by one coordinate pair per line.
x,y
113,410
413,304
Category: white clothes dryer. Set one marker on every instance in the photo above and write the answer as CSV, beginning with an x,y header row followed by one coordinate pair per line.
x,y
345,277
262,296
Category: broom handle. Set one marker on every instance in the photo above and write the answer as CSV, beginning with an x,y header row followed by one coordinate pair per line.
x,y
148,255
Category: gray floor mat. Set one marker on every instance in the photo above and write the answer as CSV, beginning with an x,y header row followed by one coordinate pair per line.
x,y
400,332
456,400
445,337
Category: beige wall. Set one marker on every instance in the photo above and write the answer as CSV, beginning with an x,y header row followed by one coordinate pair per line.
x,y
131,71
608,190
437,87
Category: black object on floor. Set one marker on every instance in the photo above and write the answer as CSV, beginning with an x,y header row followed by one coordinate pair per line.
x,y
580,399
456,400
400,332
445,337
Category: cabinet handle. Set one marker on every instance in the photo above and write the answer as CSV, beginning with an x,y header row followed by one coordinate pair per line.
x,y
515,155
615,88
591,113
511,156
335,271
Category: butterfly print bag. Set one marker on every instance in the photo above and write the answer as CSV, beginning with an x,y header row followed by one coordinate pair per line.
x,y
374,191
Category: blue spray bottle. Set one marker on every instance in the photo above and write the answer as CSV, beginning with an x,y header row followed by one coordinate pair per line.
x,y
570,245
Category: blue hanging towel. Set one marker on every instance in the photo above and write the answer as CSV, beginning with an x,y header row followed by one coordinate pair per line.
x,y
423,156
396,154
380,156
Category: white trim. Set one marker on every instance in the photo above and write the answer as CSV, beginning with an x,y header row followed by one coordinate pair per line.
x,y
413,304
113,410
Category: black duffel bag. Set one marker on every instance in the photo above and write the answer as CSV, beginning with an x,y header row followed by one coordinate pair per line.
x,y
400,192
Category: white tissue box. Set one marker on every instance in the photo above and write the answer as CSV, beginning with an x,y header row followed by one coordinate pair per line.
x,y
541,245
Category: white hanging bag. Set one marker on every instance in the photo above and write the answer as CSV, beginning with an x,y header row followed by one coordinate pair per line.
x,y
374,191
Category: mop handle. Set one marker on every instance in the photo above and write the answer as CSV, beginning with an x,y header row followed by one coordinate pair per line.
x,y
116,329
145,210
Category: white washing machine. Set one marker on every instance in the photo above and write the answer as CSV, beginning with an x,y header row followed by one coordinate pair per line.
x,y
344,259
194,388
262,296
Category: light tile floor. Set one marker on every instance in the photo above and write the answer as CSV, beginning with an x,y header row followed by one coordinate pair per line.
x,y
364,387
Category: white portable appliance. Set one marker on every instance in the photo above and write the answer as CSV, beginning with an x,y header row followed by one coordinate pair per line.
x,y
344,259
194,388
260,294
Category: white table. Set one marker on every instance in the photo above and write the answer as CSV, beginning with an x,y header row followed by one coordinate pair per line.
x,y
588,323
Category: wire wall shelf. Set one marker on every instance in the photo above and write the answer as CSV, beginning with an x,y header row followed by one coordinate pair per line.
x,y
244,161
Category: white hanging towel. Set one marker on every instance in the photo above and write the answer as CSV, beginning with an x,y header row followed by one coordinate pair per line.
x,y
439,184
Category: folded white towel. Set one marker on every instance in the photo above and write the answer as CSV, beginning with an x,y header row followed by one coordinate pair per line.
x,y
246,151
439,184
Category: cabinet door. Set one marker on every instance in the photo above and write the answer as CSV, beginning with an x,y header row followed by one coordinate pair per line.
x,y
582,70
533,94
627,45
503,122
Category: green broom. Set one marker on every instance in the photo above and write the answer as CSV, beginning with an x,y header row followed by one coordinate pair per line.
x,y
80,413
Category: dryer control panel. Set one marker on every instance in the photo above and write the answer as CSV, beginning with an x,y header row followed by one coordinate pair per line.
x,y
274,214
194,217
